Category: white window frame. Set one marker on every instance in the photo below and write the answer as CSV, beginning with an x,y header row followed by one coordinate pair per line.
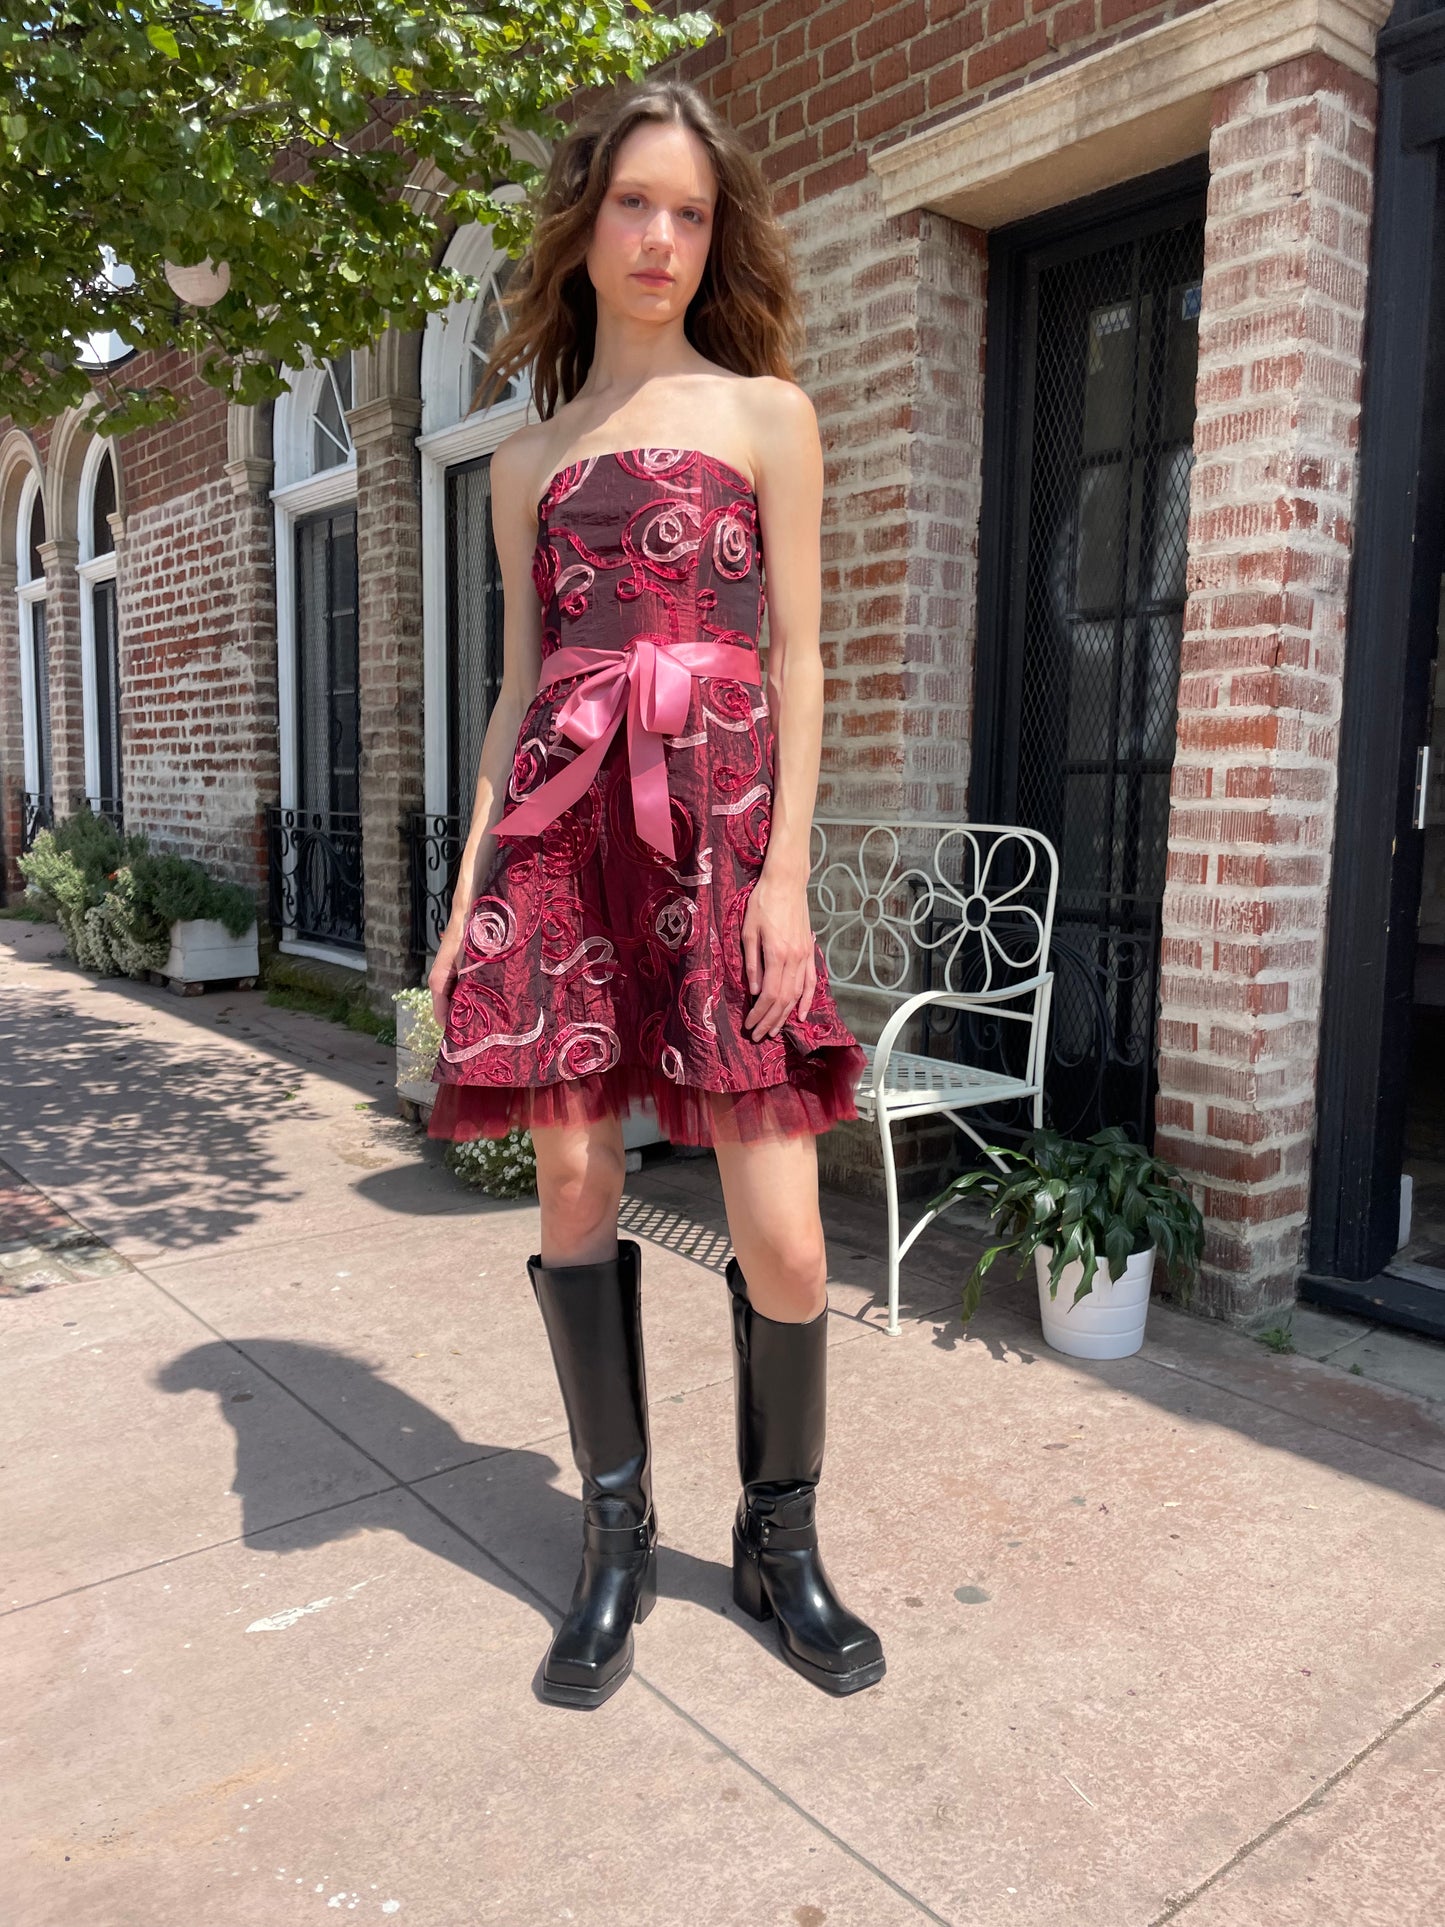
x,y
31,589
300,491
447,441
92,569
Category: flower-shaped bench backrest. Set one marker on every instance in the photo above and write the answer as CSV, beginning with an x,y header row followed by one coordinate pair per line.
x,y
903,907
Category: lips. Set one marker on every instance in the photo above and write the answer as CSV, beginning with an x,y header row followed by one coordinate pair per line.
x,y
656,280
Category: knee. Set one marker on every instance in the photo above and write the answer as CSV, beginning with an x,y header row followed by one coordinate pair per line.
x,y
580,1193
789,1281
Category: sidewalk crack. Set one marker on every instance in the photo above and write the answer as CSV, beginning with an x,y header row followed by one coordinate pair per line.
x,y
1312,1799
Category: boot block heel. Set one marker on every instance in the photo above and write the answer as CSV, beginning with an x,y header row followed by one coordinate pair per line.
x,y
749,1592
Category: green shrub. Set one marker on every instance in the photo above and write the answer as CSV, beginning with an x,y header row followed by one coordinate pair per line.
x,y
177,889
503,1167
115,900
424,1033
57,880
119,936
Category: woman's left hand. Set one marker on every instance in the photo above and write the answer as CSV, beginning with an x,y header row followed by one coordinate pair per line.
x,y
778,954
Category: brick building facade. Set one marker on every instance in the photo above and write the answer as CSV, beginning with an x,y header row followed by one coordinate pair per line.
x,y
1161,211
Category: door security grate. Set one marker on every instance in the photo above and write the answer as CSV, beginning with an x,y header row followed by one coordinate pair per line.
x,y
1094,588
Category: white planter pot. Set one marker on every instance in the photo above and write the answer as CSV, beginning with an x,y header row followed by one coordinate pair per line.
x,y
413,1064
203,951
1107,1322
641,1127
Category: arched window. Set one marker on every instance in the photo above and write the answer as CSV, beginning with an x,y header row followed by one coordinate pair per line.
x,y
310,434
330,436
315,832
100,633
461,581
34,663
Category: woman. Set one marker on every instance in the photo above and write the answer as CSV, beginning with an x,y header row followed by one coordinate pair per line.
x,y
630,919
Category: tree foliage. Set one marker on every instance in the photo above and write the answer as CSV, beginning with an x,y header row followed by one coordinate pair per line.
x,y
276,136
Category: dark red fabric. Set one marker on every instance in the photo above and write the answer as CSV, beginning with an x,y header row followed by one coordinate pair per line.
x,y
593,973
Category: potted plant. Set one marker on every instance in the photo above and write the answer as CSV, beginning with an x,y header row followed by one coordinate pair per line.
x,y
418,1039
127,910
1094,1215
210,925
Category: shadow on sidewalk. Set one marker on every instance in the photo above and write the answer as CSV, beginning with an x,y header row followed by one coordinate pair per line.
x,y
176,1142
529,1523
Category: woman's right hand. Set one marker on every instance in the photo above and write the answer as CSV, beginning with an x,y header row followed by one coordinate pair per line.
x,y
442,977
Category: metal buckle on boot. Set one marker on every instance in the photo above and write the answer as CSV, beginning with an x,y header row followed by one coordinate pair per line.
x,y
636,1538
761,1533
777,1538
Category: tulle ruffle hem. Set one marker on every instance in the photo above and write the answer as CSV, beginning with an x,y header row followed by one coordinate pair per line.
x,y
820,1092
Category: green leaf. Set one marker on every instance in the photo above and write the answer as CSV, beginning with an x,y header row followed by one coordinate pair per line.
x,y
164,41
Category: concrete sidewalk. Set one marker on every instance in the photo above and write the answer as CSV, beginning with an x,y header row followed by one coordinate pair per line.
x,y
289,1512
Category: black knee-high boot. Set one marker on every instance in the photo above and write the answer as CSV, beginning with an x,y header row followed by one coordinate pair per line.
x,y
780,1376
594,1326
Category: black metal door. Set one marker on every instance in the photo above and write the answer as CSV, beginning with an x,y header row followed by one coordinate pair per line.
x,y
474,628
107,698
321,860
474,680
1088,603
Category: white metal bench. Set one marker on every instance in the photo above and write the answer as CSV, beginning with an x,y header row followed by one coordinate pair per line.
x,y
935,916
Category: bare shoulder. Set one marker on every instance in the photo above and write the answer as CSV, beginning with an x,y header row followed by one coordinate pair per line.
x,y
518,462
782,432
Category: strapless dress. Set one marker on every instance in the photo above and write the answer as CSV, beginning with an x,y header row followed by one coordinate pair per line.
x,y
602,962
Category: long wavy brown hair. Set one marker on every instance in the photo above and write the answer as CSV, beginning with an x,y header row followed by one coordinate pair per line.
x,y
746,315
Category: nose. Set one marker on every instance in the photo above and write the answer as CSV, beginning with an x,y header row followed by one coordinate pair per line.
x,y
659,230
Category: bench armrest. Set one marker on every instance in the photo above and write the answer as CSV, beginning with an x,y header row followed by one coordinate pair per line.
x,y
955,999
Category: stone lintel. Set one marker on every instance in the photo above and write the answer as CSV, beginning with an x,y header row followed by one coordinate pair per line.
x,y
1138,105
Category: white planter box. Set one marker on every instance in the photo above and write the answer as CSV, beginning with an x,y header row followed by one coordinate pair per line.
x,y
413,1065
1107,1322
203,951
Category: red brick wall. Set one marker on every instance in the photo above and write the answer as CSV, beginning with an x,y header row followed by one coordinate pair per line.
x,y
1254,778
196,598
169,461
815,87
389,536
198,676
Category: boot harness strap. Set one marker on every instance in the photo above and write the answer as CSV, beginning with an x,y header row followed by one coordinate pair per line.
x,y
638,1538
761,1534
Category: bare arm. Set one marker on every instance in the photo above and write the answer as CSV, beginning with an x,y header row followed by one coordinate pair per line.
x,y
515,533
789,480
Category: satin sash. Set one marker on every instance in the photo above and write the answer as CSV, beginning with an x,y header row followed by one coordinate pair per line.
x,y
649,678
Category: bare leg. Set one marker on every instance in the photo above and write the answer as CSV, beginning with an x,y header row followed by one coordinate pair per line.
x,y
770,1189
580,1172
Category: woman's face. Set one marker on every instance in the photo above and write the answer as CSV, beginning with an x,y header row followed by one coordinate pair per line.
x,y
652,232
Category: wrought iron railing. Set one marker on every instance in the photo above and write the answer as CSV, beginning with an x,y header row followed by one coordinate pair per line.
x,y
434,848
110,808
316,892
39,814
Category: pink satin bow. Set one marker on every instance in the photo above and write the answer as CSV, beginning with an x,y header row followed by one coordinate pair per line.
x,y
649,677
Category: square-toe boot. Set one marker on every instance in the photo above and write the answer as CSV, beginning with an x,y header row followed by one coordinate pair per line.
x,y
780,1376
593,1316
